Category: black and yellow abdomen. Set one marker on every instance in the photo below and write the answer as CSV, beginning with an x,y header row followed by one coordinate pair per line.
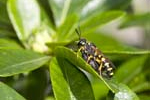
x,y
93,56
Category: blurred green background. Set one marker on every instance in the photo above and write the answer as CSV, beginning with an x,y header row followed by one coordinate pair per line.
x,y
33,68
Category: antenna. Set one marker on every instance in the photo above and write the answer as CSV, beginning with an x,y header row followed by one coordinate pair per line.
x,y
78,31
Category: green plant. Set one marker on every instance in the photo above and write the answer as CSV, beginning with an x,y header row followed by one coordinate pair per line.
x,y
57,72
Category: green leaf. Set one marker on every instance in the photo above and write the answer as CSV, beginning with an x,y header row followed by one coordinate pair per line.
x,y
25,17
57,9
50,98
9,44
98,85
99,19
118,4
47,9
129,70
104,42
61,9
7,93
36,83
66,31
53,45
68,82
47,18
77,6
59,83
141,82
76,60
136,20
144,97
7,34
125,94
141,87
110,46
6,29
99,6
3,12
13,61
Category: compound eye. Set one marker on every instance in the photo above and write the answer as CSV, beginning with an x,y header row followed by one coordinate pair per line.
x,y
82,43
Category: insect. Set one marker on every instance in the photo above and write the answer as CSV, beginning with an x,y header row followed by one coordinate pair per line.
x,y
94,57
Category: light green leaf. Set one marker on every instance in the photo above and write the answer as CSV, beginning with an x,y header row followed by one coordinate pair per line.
x,y
59,83
53,45
125,94
66,31
13,61
109,45
50,98
7,93
144,97
76,60
141,82
99,6
61,9
98,85
93,22
46,9
129,70
9,44
47,18
136,20
68,82
141,87
118,4
77,6
57,9
25,17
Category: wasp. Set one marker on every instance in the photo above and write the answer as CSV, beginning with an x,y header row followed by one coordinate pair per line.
x,y
94,57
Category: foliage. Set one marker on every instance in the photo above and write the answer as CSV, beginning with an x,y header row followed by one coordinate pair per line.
x,y
36,57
